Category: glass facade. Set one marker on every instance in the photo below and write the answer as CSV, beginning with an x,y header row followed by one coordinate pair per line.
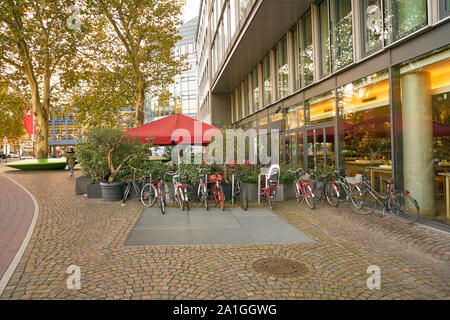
x,y
444,8
341,33
423,135
321,109
246,97
372,24
255,89
283,69
267,81
402,17
306,51
325,59
365,125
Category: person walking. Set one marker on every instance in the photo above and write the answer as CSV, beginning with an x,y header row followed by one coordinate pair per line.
x,y
71,160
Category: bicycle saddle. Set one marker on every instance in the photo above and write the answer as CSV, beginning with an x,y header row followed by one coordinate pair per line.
x,y
176,176
389,181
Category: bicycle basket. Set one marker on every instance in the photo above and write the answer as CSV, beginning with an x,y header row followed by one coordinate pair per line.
x,y
306,176
354,180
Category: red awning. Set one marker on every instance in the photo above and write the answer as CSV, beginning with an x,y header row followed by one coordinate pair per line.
x,y
176,129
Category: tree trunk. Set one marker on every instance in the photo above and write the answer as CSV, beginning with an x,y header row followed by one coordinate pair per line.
x,y
140,97
41,135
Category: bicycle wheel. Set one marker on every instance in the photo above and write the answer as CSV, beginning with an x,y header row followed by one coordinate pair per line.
x,y
405,208
179,200
369,202
205,197
309,197
243,196
127,192
148,195
357,196
221,198
162,205
298,193
331,195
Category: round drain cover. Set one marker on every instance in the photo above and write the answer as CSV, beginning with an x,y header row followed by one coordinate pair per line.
x,y
280,267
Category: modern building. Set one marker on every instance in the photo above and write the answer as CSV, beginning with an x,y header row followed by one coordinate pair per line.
x,y
183,92
357,84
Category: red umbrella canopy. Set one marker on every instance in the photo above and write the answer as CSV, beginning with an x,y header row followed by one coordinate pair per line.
x,y
174,130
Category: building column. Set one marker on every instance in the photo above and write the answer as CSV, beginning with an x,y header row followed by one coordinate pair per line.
x,y
417,120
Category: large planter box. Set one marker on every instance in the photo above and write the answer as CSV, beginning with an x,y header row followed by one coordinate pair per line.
x,y
94,190
112,191
81,185
285,191
252,191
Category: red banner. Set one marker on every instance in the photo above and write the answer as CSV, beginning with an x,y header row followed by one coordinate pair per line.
x,y
28,121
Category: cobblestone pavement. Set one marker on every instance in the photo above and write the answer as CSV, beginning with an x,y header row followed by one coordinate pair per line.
x,y
89,233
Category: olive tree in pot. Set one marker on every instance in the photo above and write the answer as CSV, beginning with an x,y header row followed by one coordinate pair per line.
x,y
116,149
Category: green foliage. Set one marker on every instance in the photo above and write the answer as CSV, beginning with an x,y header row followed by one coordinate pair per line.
x,y
11,123
112,148
192,174
285,175
92,161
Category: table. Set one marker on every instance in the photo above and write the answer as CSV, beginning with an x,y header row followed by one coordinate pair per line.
x,y
447,191
383,172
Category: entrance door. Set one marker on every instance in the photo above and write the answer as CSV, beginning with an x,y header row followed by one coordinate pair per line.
x,y
320,147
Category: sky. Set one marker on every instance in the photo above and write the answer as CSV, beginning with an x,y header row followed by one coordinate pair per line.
x,y
190,10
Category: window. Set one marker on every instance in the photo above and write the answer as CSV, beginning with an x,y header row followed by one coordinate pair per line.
x,y
226,24
240,102
242,7
402,17
232,17
233,110
255,89
306,66
324,38
444,8
341,33
283,70
294,117
372,22
294,35
424,155
267,81
321,109
246,97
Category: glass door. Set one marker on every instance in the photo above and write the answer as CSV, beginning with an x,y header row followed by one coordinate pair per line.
x,y
320,147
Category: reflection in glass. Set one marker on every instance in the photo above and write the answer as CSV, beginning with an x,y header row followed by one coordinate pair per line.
x,y
324,37
321,108
365,123
283,70
403,17
306,66
255,89
246,97
294,117
372,25
341,33
300,148
267,81
424,118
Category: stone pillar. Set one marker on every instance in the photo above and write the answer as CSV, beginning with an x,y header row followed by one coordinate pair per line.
x,y
417,119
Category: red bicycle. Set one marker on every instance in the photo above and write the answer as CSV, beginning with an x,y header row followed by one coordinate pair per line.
x,y
219,196
303,189
270,185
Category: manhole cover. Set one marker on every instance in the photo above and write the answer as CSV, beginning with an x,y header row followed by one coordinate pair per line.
x,y
280,267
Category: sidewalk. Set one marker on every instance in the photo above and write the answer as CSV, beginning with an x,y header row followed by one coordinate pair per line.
x,y
90,233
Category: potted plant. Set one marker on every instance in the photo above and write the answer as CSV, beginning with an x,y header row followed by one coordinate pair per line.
x,y
249,178
94,169
286,187
116,149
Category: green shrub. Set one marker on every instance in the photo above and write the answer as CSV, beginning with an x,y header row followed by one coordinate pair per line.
x,y
106,152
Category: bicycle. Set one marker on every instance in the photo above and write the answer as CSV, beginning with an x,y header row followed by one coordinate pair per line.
x,y
159,191
202,191
148,197
270,185
240,191
180,191
344,188
218,193
303,189
399,202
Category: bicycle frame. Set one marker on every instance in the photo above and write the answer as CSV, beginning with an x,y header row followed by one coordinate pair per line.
x,y
377,196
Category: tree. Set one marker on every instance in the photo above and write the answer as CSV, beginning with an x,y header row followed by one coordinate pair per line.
x,y
33,51
128,51
11,125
